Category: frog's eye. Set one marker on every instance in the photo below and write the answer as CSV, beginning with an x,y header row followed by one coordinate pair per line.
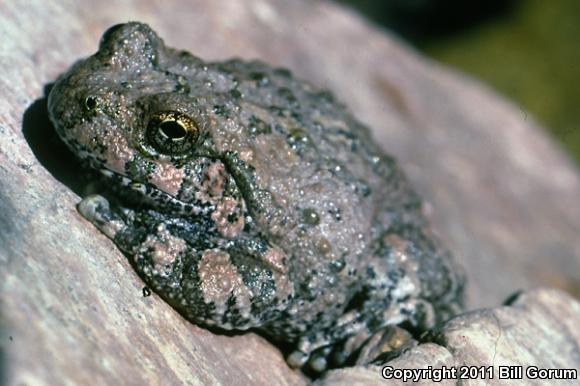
x,y
171,132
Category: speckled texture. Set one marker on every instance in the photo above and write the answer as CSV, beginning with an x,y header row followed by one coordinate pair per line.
x,y
537,329
249,199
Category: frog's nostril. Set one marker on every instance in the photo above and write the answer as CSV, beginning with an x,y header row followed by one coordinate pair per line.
x,y
91,103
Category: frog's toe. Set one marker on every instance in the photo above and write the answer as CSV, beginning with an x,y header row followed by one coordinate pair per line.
x,y
297,359
97,210
320,360
384,345
317,361
92,207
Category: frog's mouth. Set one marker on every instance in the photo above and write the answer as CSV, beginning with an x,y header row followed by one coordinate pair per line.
x,y
149,194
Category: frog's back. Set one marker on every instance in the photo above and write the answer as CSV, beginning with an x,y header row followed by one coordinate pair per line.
x,y
307,154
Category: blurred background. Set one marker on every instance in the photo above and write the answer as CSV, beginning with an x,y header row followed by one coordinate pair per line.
x,y
528,50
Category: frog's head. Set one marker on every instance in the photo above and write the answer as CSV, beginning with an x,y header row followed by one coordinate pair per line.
x,y
130,111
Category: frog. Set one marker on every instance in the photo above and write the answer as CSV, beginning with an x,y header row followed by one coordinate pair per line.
x,y
249,199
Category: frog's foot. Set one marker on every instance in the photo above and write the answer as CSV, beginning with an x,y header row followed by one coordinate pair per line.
x,y
97,210
362,335
362,348
313,348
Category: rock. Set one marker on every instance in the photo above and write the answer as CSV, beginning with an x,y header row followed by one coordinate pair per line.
x,y
501,194
537,332
428,354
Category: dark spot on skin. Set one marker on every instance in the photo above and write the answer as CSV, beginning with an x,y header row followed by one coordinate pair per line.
x,y
338,265
277,110
298,139
364,190
260,78
299,118
146,292
283,72
256,246
310,217
256,126
185,54
288,96
325,96
279,129
394,276
181,88
384,165
336,213
139,168
235,93
298,134
220,110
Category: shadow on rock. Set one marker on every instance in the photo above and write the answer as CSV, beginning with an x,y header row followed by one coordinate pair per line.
x,y
47,147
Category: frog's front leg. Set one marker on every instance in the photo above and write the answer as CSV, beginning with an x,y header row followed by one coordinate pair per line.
x,y
138,234
238,283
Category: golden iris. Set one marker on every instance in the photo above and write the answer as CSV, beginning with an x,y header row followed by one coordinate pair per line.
x,y
172,132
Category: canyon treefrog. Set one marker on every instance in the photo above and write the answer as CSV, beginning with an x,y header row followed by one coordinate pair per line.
x,y
249,199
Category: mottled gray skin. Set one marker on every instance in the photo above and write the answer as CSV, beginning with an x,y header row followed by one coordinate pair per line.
x,y
249,199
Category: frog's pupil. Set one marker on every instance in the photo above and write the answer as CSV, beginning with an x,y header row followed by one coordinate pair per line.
x,y
172,130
